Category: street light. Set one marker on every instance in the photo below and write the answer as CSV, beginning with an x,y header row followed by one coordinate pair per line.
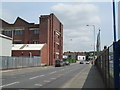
x,y
94,38
114,20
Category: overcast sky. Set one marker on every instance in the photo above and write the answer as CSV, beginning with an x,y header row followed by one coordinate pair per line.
x,y
74,16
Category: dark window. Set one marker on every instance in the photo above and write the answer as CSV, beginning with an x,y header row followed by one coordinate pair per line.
x,y
35,41
36,31
17,42
57,46
18,32
54,55
30,42
69,56
8,32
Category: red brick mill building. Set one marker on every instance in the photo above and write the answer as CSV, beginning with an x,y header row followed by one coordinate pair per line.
x,y
48,34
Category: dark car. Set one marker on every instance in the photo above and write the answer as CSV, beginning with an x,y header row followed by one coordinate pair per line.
x,y
81,62
59,63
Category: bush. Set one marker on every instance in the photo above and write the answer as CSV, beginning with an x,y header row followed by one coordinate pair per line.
x,y
71,60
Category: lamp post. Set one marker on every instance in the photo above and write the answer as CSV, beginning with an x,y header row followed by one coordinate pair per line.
x,y
114,20
94,39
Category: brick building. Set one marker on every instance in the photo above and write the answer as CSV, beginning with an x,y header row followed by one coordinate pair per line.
x,y
49,31
74,55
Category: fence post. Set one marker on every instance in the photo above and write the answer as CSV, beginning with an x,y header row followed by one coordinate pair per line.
x,y
116,64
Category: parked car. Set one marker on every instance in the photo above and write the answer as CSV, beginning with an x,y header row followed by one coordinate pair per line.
x,y
81,62
59,63
62,63
87,62
67,63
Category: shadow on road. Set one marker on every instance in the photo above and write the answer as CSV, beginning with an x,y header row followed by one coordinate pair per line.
x,y
94,80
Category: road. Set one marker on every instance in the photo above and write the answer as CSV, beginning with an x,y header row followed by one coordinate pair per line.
x,y
52,77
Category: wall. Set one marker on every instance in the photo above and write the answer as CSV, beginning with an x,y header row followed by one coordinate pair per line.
x,y
5,46
44,55
49,24
25,53
20,24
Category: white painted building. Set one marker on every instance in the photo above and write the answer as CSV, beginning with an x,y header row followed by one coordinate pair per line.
x,y
81,58
119,20
65,56
5,45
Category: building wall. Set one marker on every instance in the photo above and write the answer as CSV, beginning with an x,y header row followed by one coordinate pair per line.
x,y
50,32
71,55
74,55
81,58
26,53
27,35
5,46
45,55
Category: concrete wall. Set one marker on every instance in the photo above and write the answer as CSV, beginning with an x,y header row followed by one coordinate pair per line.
x,y
5,46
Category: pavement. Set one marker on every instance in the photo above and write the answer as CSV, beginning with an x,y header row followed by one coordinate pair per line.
x,y
94,79
89,77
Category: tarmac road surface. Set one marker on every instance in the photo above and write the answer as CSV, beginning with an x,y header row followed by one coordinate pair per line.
x,y
49,77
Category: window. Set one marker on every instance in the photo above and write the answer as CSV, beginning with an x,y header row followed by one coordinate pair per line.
x,y
35,41
8,32
18,32
18,42
57,56
30,42
54,55
57,46
36,31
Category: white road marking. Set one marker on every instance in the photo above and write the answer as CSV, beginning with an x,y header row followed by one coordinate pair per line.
x,y
38,85
52,72
6,71
62,69
9,84
37,77
34,77
42,75
46,81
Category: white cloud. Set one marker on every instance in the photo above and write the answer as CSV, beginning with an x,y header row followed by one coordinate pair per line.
x,y
77,37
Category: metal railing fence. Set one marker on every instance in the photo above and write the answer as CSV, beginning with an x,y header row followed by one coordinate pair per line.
x,y
108,64
19,62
